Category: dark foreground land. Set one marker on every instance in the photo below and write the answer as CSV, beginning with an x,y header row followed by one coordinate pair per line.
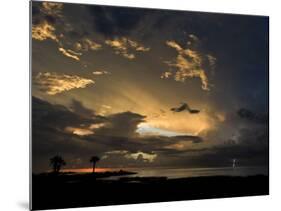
x,y
81,190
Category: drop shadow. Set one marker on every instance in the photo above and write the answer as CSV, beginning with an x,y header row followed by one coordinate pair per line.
x,y
24,205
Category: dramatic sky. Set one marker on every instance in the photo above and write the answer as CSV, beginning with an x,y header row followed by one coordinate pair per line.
x,y
104,80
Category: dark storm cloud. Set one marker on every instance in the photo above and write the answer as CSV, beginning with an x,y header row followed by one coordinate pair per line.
x,y
253,117
231,40
55,116
193,139
80,109
49,136
37,17
247,143
35,10
119,150
251,148
51,12
119,143
117,134
240,57
115,21
122,124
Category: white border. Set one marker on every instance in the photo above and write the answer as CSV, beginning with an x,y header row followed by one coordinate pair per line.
x,y
15,103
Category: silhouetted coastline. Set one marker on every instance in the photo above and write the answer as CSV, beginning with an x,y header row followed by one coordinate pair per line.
x,y
69,190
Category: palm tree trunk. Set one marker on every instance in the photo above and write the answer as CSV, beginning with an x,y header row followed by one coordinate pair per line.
x,y
94,166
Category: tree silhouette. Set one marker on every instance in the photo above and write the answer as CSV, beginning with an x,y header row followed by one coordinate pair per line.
x,y
94,160
57,162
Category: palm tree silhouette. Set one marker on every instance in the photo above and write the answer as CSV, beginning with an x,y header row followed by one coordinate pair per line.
x,y
94,160
57,162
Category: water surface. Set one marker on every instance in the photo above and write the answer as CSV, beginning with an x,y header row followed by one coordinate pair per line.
x,y
172,173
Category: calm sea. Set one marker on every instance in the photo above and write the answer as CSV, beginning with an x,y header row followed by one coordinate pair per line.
x,y
197,172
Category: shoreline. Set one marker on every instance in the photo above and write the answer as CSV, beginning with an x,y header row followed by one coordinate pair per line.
x,y
81,191
170,172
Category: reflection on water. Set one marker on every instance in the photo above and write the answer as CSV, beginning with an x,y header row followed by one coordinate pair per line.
x,y
197,172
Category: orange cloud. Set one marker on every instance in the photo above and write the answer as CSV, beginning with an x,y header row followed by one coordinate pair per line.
x,y
143,156
126,47
44,31
70,53
54,83
87,44
100,72
188,64
79,131
146,157
166,74
52,8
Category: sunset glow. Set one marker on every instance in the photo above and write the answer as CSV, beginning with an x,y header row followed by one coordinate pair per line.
x,y
89,170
